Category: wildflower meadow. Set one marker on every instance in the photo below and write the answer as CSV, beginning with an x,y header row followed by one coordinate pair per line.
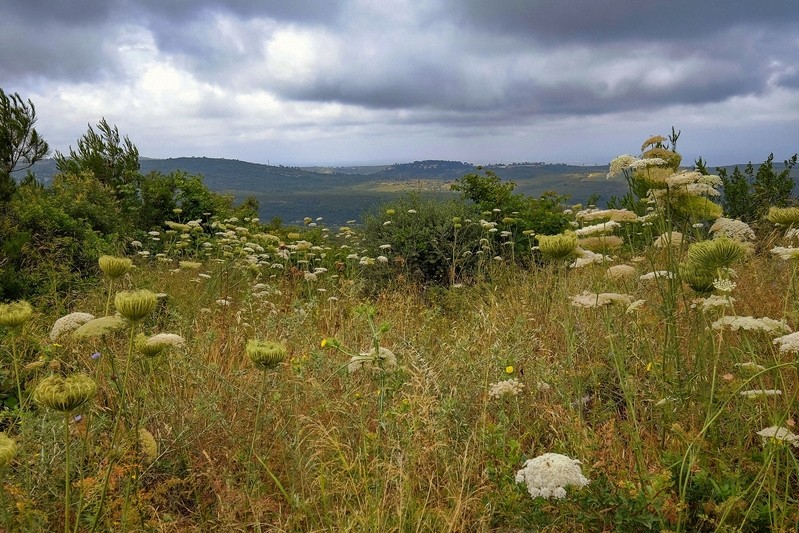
x,y
498,363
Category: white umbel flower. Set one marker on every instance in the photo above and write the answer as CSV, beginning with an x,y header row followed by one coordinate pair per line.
x,y
68,323
548,475
776,433
788,343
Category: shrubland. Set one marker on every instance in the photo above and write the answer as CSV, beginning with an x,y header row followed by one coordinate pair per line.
x,y
440,367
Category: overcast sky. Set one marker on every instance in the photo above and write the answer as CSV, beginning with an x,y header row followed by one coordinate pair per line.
x,y
300,82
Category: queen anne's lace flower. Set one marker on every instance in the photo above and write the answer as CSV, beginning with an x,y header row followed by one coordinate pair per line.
x,y
591,299
786,253
777,433
788,343
748,323
510,387
383,358
548,475
732,229
68,323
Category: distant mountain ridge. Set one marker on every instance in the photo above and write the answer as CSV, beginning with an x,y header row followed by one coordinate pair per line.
x,y
344,193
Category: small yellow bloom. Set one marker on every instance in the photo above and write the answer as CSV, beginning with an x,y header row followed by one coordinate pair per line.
x,y
509,369
649,366
323,343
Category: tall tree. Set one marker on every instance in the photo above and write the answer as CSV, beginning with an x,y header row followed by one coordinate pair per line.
x,y
112,159
20,144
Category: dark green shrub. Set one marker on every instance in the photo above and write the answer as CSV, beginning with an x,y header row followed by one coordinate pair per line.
x,y
430,241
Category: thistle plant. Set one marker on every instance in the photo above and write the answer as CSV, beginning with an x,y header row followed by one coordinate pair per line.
x,y
65,395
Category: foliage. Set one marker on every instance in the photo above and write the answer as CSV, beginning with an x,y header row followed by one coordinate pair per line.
x,y
748,194
430,242
20,143
113,160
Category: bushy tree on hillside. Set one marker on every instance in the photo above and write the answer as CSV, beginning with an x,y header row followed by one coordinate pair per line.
x,y
748,194
490,194
113,159
20,144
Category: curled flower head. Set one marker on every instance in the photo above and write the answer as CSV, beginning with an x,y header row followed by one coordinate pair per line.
x,y
264,354
135,305
382,358
716,254
157,344
557,246
98,327
785,216
114,267
15,314
8,449
65,394
147,445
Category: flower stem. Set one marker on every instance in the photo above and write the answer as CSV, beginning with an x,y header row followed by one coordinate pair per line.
x,y
66,471
257,425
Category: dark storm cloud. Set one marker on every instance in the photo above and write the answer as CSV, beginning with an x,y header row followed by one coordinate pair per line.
x,y
443,65
591,21
77,40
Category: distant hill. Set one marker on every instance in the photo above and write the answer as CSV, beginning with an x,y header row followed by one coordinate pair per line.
x,y
343,193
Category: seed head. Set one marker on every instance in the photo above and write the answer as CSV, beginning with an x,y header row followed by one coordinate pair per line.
x,y
135,305
15,314
8,449
114,267
266,355
65,394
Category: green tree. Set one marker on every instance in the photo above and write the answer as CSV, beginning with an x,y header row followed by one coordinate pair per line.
x,y
20,144
113,160
748,194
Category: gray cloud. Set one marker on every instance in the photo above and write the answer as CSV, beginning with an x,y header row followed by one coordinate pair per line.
x,y
506,65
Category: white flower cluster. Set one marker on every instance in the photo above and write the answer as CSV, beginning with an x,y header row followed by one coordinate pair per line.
x,y
384,358
668,239
167,339
732,229
548,475
786,253
760,393
713,301
749,323
68,323
621,272
616,215
587,257
777,433
592,299
650,276
788,343
604,227
511,387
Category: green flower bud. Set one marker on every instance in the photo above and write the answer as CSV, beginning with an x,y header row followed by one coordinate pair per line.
x,y
114,267
557,246
787,216
15,314
714,254
135,305
265,354
8,449
100,326
65,394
